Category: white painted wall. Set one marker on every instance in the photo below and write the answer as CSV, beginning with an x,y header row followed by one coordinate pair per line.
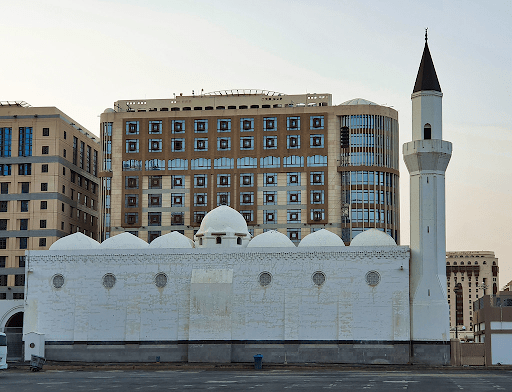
x,y
501,346
215,294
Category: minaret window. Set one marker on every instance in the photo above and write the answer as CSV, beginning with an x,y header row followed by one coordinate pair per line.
x,y
427,132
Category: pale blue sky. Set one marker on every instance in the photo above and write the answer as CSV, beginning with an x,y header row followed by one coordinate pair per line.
x,y
81,56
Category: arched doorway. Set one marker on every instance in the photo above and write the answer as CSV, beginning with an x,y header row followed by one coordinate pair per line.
x,y
14,331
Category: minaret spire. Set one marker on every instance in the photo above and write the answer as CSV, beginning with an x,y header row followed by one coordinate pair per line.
x,y
426,36
427,77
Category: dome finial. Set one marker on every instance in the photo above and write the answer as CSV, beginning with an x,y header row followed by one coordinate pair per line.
x,y
426,36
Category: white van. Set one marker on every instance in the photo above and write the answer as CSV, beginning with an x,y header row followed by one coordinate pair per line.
x,y
3,351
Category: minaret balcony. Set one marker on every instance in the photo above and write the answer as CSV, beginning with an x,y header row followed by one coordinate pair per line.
x,y
432,155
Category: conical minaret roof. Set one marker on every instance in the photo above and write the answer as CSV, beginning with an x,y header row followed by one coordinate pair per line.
x,y
427,77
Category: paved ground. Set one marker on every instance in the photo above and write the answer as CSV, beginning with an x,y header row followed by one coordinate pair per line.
x,y
248,380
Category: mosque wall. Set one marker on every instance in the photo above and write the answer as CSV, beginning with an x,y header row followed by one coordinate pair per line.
x,y
214,307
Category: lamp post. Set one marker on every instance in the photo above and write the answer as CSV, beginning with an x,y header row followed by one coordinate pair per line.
x,y
457,290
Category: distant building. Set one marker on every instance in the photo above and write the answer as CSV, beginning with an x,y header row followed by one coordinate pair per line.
x,y
477,272
292,163
49,189
493,327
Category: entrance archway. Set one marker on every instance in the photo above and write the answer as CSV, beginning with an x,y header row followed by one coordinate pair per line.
x,y
14,331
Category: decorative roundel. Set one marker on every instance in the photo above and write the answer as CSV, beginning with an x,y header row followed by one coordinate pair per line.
x,y
58,281
318,278
265,279
372,278
160,280
109,280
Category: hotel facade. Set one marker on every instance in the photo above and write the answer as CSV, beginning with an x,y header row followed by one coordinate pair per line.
x,y
292,163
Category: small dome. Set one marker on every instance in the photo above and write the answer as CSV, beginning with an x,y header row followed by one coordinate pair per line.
x,y
322,238
223,219
271,239
74,242
109,110
373,237
124,241
358,101
172,240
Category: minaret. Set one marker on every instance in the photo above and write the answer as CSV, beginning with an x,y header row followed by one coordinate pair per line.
x,y
426,158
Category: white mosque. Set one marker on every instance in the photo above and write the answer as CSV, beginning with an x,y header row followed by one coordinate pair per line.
x,y
225,296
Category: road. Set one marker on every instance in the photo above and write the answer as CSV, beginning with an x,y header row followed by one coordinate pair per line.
x,y
265,380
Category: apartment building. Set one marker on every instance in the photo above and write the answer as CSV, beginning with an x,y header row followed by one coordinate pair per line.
x,y
477,272
293,163
49,186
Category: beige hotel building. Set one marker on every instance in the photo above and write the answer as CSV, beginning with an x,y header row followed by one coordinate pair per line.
x,y
48,186
293,163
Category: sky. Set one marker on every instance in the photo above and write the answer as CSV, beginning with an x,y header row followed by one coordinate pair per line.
x,y
81,56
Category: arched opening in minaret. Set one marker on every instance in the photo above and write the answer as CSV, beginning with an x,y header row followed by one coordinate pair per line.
x,y
427,132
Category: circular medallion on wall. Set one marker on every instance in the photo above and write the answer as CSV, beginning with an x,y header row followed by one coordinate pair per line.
x,y
318,278
372,278
58,281
265,278
109,280
160,280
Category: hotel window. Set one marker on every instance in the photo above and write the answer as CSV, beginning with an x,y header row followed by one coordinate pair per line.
x,y
248,215
201,144
247,163
3,242
293,234
270,162
155,164
25,187
224,163
223,180
25,169
154,200
317,160
223,143
3,206
131,201
292,142
45,150
132,146
177,219
178,126
155,127
270,142
293,216
155,182
177,182
44,187
25,142
178,164
318,214
200,164
316,178
44,205
293,161
316,141
132,127
269,216
246,179
269,179
155,145
224,125
293,123
5,169
269,197
130,218
316,122
246,124
247,198
200,180
5,188
223,198
200,199
23,224
198,216
42,223
131,182
177,199
23,242
293,197
200,126
3,224
247,143
44,168
269,123
177,144
24,205
152,235
5,142
292,179
317,197
154,218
